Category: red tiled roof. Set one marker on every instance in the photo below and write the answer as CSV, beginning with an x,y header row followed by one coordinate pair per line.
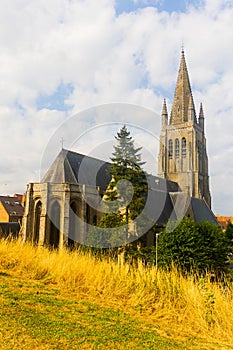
x,y
224,220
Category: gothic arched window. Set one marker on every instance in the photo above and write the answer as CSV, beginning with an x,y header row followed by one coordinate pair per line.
x,y
72,217
177,148
54,225
183,147
38,209
170,149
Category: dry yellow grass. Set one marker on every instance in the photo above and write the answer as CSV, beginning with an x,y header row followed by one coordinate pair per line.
x,y
177,305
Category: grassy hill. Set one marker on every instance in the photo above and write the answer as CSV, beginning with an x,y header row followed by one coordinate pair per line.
x,y
71,300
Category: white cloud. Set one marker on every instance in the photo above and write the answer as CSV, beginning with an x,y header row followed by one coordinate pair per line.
x,y
132,58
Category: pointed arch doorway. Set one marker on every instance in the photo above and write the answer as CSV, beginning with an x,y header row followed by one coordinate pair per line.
x,y
37,214
54,236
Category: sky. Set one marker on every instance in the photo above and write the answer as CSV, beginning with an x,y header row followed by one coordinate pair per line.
x,y
60,59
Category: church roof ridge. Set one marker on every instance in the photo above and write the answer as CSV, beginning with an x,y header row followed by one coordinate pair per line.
x,y
74,153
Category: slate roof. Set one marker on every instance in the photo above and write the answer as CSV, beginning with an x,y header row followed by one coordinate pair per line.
x,y
159,207
201,211
162,184
12,205
194,207
165,199
72,167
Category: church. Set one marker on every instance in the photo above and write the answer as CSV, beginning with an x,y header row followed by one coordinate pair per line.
x,y
68,201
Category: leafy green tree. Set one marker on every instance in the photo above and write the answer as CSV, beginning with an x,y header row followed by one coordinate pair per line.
x,y
193,246
229,237
229,233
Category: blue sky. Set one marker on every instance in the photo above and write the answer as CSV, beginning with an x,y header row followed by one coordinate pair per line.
x,y
161,5
57,100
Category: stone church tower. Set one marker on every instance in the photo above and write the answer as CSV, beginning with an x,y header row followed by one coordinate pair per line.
x,y
182,156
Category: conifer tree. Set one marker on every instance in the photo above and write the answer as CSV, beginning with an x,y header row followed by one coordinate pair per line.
x,y
125,156
126,194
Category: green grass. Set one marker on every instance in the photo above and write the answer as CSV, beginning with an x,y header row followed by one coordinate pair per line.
x,y
33,315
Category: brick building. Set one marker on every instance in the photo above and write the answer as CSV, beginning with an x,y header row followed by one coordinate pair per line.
x,y
11,209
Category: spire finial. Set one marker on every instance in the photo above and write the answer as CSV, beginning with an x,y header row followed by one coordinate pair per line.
x,y
201,113
201,118
164,113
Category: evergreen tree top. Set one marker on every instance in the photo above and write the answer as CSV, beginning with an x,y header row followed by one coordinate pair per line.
x,y
125,154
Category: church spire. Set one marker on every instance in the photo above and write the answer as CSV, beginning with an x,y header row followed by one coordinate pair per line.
x,y
201,117
164,113
182,96
201,113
